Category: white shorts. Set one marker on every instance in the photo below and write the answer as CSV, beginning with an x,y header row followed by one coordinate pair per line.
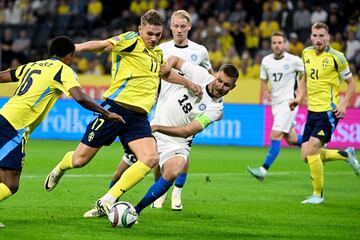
x,y
169,150
284,118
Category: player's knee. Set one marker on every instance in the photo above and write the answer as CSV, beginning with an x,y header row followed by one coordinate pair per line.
x,y
170,174
13,186
151,159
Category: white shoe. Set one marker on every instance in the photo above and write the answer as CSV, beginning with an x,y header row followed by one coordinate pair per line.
x,y
176,204
2,225
52,180
94,212
352,160
158,203
257,173
103,206
313,199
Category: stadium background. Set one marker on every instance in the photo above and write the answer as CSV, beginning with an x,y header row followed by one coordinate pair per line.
x,y
233,31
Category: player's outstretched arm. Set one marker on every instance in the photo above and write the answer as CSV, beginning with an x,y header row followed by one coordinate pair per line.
x,y
87,102
6,76
174,77
94,46
187,131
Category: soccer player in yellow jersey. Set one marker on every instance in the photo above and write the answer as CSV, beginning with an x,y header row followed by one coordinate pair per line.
x,y
325,68
39,86
137,65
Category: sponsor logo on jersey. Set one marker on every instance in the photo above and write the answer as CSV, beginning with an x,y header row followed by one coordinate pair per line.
x,y
286,66
308,61
146,51
202,106
321,133
194,57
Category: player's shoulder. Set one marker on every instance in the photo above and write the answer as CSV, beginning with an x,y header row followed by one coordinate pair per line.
x,y
309,49
268,58
167,44
197,46
291,57
337,55
128,37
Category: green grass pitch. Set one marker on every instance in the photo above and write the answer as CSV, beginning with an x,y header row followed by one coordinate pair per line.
x,y
221,200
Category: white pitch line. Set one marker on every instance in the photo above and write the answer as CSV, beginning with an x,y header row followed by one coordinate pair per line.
x,y
190,174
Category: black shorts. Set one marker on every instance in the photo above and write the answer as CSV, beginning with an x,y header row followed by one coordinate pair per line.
x,y
12,145
320,125
100,132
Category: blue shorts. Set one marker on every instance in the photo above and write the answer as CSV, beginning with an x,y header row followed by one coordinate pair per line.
x,y
12,146
102,132
320,125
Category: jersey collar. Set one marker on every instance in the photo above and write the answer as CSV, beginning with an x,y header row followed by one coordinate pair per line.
x,y
178,46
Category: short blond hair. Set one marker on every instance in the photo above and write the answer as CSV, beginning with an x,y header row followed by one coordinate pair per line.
x,y
320,25
181,14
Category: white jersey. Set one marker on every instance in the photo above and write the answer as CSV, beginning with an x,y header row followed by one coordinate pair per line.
x,y
182,107
193,52
282,74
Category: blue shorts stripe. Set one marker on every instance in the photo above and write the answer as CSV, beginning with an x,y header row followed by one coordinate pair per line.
x,y
11,145
331,120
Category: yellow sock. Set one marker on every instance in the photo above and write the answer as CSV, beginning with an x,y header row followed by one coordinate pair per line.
x,y
317,174
66,162
4,192
130,177
328,155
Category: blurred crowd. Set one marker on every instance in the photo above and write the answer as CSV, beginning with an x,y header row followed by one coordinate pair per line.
x,y
232,30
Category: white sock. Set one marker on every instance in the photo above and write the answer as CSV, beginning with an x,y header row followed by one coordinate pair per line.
x,y
263,170
108,198
177,191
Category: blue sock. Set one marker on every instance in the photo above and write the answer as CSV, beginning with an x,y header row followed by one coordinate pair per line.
x,y
299,140
155,191
180,180
272,153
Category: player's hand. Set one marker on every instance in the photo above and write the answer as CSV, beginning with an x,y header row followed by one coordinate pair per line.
x,y
114,117
266,96
154,128
339,112
195,88
293,104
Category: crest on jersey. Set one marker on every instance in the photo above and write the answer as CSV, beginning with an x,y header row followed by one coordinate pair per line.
x,y
202,106
325,62
194,57
286,66
91,136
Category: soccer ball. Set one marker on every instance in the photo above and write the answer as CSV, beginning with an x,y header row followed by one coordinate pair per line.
x,y
122,214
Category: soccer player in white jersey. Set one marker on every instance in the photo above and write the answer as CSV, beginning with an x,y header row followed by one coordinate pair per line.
x,y
190,51
175,127
280,69
197,54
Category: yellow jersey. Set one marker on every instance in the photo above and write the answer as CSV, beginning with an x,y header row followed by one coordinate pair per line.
x,y
135,71
324,74
39,86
